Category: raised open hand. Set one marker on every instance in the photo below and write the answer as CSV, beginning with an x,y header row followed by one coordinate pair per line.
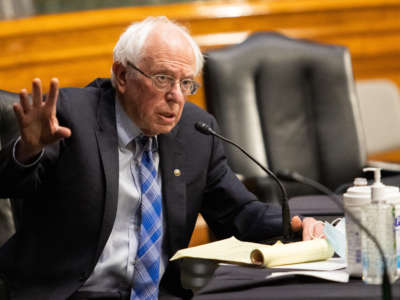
x,y
37,120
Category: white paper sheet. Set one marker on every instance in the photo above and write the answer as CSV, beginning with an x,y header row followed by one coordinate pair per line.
x,y
337,275
331,264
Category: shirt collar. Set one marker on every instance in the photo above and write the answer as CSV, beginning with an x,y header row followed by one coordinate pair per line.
x,y
126,128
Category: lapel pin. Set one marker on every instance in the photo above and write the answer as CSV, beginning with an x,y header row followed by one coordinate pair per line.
x,y
177,172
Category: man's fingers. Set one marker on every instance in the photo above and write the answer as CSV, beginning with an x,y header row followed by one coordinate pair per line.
x,y
296,224
37,92
25,101
62,132
319,230
312,229
19,112
52,95
307,234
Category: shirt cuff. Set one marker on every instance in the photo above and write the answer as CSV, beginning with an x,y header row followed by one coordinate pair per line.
x,y
22,165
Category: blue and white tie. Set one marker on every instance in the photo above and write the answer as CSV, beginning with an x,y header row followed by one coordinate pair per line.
x,y
147,267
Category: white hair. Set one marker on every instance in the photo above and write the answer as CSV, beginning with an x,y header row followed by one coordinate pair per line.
x,y
131,42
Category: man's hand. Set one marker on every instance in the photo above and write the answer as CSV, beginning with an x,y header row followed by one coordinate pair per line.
x,y
37,121
311,227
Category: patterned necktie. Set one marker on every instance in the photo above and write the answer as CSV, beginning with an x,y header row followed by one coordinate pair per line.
x,y
147,266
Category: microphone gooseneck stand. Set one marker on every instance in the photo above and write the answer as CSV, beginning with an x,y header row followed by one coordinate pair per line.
x,y
294,176
286,230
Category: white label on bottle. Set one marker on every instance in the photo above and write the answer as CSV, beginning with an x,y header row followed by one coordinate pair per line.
x,y
353,236
397,233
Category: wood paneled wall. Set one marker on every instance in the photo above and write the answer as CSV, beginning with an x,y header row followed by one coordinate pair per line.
x,y
77,47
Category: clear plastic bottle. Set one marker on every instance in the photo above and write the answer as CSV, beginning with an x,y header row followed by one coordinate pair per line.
x,y
355,199
394,200
378,218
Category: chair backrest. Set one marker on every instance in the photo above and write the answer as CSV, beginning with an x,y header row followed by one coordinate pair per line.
x,y
291,103
380,113
8,131
8,122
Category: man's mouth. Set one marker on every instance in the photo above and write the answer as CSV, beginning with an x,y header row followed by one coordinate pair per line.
x,y
167,116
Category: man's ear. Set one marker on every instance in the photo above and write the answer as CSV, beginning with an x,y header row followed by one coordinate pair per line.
x,y
120,74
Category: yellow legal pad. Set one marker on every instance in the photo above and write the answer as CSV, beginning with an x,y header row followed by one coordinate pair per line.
x,y
232,250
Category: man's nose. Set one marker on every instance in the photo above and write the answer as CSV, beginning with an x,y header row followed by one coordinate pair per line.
x,y
176,93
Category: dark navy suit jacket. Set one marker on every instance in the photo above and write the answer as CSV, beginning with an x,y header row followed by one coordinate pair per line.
x,y
70,196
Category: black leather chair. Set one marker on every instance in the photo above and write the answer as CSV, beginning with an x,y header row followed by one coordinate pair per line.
x,y
8,131
292,104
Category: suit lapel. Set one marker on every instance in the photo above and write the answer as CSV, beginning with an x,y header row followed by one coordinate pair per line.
x,y
107,141
173,187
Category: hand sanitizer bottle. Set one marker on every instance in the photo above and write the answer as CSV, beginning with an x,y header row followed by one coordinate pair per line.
x,y
378,218
355,199
393,198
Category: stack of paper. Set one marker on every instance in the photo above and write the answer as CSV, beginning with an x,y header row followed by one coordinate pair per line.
x,y
232,250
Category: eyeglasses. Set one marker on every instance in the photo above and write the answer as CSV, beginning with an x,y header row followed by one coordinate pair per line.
x,y
165,83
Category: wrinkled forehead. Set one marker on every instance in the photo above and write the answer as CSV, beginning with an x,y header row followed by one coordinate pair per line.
x,y
167,41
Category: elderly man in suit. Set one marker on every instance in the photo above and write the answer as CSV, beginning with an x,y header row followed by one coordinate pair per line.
x,y
113,177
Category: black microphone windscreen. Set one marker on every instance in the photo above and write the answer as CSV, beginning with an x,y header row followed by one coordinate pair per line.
x,y
202,127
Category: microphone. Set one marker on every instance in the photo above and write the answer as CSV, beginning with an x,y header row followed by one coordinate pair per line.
x,y
297,177
204,128
286,229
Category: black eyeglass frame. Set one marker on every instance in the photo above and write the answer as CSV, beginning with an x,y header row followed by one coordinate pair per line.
x,y
195,85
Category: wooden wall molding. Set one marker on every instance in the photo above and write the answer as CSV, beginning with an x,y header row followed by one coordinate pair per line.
x,y
77,47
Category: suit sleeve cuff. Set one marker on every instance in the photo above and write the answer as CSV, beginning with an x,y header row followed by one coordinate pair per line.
x,y
31,164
